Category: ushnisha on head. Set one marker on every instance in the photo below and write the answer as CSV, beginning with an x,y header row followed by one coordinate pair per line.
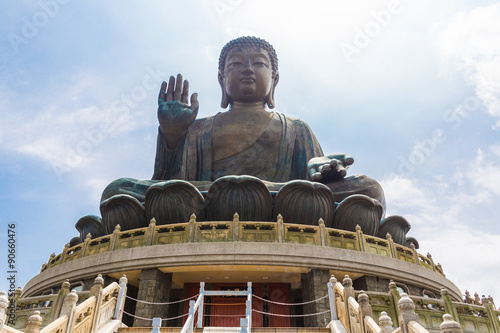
x,y
248,72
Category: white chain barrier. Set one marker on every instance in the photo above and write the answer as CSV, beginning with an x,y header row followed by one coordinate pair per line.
x,y
278,303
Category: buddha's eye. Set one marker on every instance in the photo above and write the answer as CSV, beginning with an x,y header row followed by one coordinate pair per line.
x,y
235,64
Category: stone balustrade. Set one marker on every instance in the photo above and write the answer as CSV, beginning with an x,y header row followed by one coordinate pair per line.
x,y
68,313
231,231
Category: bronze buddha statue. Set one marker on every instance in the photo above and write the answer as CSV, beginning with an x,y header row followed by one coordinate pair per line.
x,y
247,143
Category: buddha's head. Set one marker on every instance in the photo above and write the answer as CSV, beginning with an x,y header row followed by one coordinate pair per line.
x,y
248,72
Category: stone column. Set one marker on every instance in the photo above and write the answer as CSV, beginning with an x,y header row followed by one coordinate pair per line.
x,y
314,286
154,287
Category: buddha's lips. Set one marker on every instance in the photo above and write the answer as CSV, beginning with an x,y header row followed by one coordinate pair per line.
x,y
247,80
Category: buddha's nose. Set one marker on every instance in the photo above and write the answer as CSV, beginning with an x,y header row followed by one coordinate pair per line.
x,y
247,70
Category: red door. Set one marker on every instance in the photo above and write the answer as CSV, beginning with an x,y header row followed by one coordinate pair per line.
x,y
279,292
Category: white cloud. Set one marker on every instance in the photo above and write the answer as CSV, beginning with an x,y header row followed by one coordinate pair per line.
x,y
450,222
472,41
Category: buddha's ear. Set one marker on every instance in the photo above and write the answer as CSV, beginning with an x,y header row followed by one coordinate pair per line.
x,y
270,97
224,102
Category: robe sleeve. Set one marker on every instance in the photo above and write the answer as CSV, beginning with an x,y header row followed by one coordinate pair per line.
x,y
170,164
191,160
306,146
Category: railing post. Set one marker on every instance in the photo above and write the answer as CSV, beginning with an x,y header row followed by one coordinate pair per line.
x,y
4,303
96,291
331,297
150,231
34,323
448,304
391,245
322,232
416,260
191,315
236,227
85,245
429,256
57,305
361,238
249,306
348,292
365,309
406,312
490,310
114,237
156,325
191,228
393,291
244,325
120,302
199,324
280,229
64,253
69,309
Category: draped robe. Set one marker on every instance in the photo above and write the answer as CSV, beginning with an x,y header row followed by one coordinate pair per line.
x,y
279,154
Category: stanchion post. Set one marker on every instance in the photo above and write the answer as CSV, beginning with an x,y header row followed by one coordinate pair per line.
x,y
199,324
191,316
120,302
249,305
156,325
331,297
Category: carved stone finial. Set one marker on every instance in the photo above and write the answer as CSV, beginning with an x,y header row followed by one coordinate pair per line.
x,y
477,301
362,297
429,256
236,217
4,301
467,297
412,247
358,228
405,303
72,297
385,323
66,246
449,325
35,319
65,284
388,236
333,280
123,279
18,292
444,291
407,310
192,217
321,222
152,221
89,236
52,255
280,218
99,280
118,228
347,281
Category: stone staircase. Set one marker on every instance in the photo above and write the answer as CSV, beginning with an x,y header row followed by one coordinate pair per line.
x,y
229,330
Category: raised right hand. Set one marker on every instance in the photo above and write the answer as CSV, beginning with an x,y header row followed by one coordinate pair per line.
x,y
174,114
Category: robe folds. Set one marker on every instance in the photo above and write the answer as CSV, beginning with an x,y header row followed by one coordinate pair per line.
x,y
280,154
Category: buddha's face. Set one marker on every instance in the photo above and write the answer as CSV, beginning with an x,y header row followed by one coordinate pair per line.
x,y
248,75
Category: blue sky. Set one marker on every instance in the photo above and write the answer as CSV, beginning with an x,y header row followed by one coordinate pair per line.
x,y
410,89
